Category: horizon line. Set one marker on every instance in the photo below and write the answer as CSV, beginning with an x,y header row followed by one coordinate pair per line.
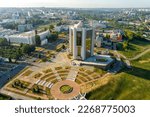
x,y
75,7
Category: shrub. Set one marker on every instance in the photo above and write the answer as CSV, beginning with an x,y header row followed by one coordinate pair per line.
x,y
36,89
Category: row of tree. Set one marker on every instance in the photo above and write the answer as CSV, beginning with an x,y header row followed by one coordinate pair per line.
x,y
3,42
130,36
15,52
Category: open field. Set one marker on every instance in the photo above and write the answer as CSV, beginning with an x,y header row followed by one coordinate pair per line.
x,y
128,85
135,48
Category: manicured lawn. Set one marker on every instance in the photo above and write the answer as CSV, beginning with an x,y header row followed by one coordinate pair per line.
x,y
135,48
102,60
66,89
27,73
58,68
128,85
47,70
19,85
37,75
99,71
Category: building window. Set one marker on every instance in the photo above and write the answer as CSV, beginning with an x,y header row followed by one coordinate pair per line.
x,y
71,40
79,38
89,40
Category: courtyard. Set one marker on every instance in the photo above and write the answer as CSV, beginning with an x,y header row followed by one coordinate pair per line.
x,y
45,80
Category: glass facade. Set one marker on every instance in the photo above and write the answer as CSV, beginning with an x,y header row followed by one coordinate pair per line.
x,y
79,51
79,38
81,45
71,40
88,42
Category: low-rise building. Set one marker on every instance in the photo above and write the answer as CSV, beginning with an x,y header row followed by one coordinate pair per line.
x,y
6,32
116,36
101,41
61,28
25,38
43,36
29,37
25,27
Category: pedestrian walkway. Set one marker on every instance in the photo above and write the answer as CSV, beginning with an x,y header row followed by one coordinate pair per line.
x,y
72,74
56,74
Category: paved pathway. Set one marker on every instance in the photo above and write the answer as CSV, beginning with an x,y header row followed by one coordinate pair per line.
x,y
15,95
128,64
127,60
56,74
139,55
72,74
80,97
58,95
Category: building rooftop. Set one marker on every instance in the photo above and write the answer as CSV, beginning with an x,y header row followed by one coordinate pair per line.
x,y
26,34
82,24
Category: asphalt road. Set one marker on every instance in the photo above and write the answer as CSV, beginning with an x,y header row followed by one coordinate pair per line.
x,y
52,46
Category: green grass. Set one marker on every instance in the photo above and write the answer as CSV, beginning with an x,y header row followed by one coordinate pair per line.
x,y
66,89
102,60
99,71
122,87
27,73
136,47
128,85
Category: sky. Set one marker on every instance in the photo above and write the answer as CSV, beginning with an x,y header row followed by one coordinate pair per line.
x,y
76,3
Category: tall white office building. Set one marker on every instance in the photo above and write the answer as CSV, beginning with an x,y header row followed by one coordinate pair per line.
x,y
81,41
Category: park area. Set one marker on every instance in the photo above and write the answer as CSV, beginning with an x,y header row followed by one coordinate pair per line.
x,y
135,47
39,83
131,84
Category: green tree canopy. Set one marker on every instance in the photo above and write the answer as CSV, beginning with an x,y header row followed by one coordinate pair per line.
x,y
51,27
3,42
52,37
125,45
37,40
129,35
27,49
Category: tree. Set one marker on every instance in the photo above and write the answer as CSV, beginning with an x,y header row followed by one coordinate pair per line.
x,y
125,45
59,23
52,37
9,59
36,89
37,40
129,35
27,49
51,27
3,42
63,47
107,36
32,48
45,28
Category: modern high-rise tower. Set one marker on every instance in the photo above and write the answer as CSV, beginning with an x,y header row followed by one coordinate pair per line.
x,y
81,41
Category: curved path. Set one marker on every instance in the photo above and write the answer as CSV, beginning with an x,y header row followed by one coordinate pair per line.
x,y
139,55
127,60
57,94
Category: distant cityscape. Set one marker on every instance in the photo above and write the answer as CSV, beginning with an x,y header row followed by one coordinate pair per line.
x,y
77,53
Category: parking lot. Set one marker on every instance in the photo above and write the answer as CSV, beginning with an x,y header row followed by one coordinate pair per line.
x,y
8,70
4,67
